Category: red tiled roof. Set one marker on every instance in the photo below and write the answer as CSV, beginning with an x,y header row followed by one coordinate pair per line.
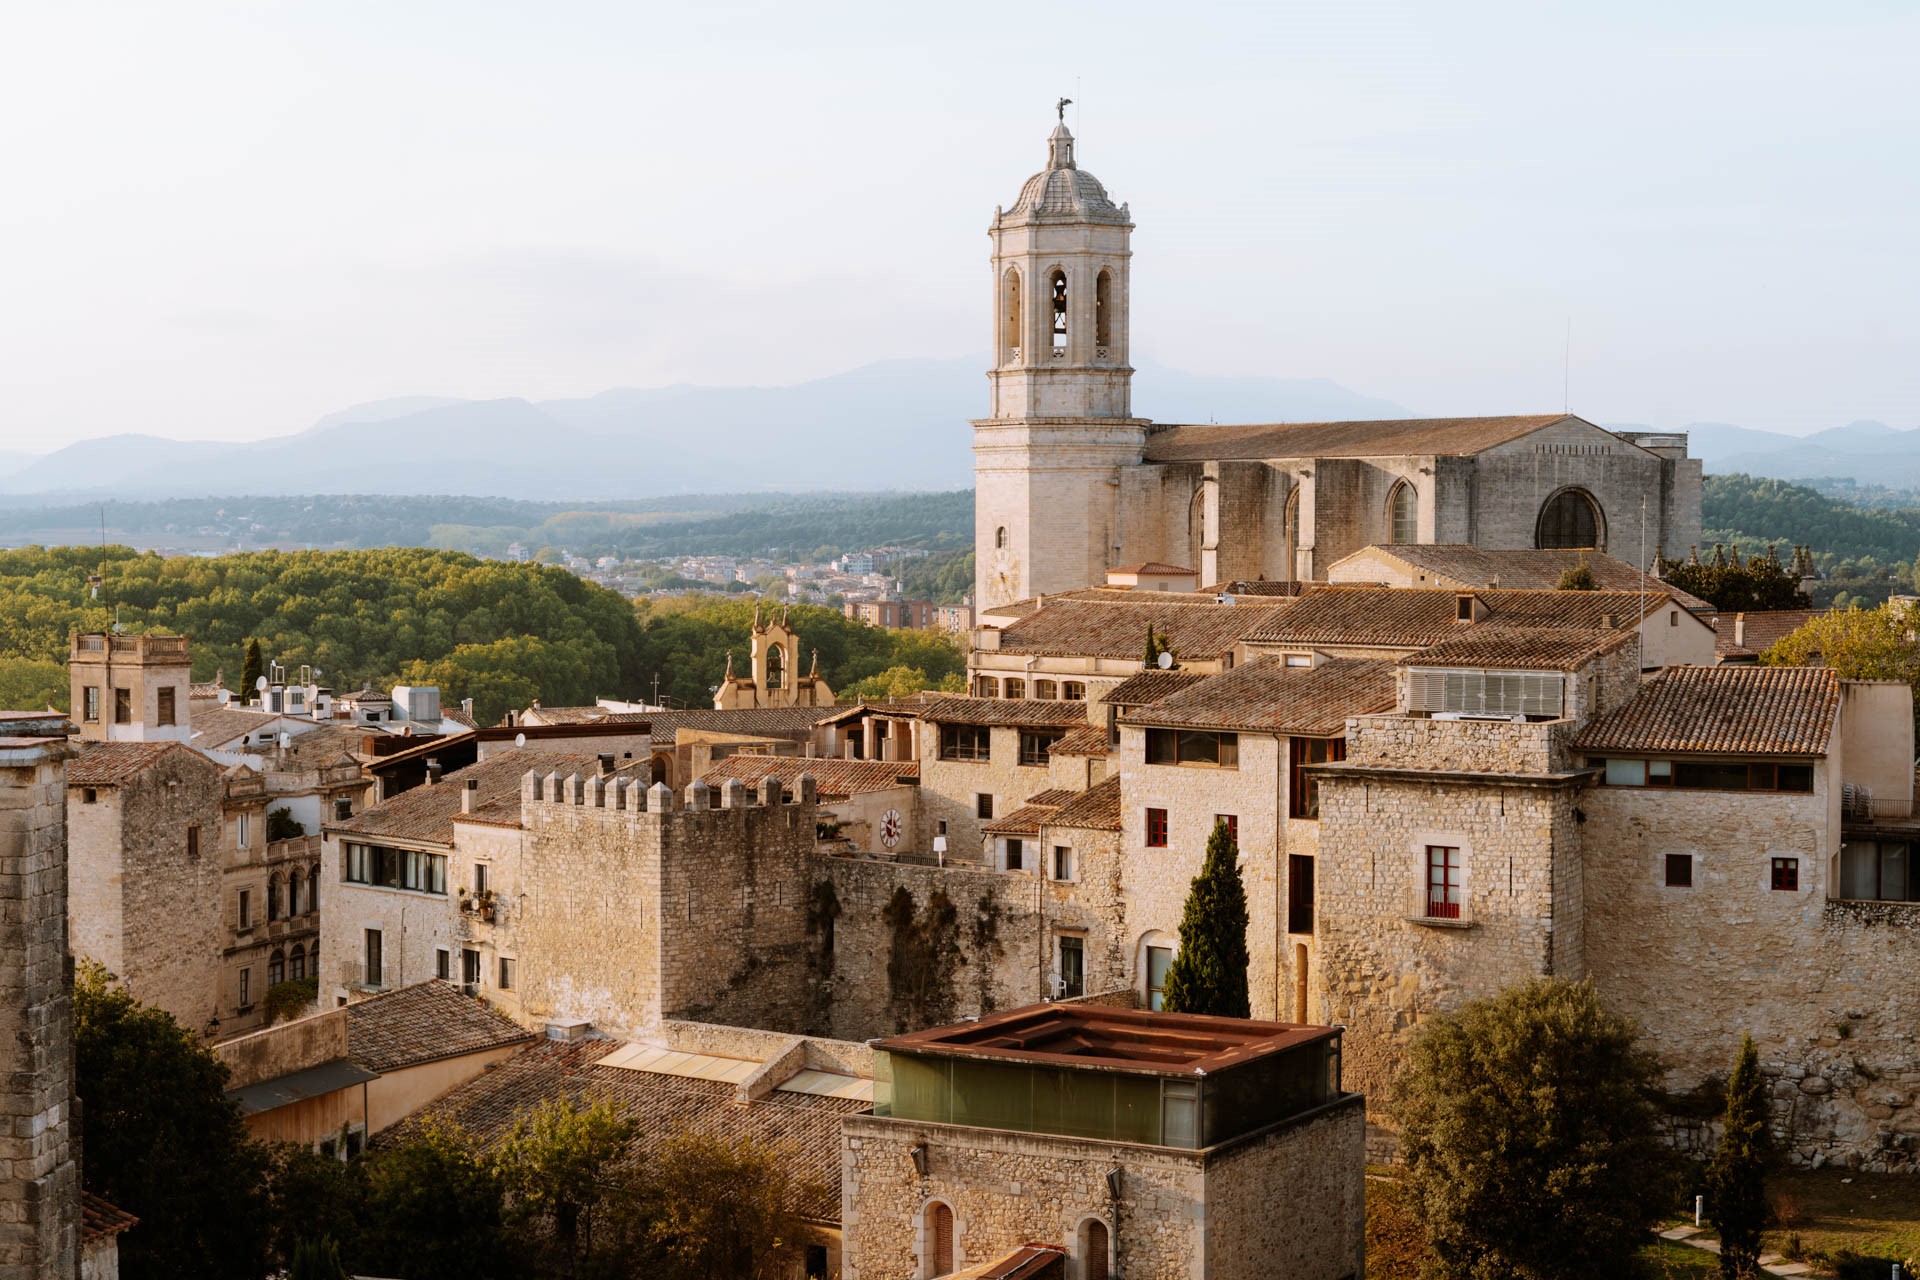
x,y
427,813
1153,567
1759,631
953,708
1097,808
1723,710
1026,820
1150,686
1376,439
99,1219
1416,617
1525,569
424,1023
1521,648
833,779
1267,696
1197,629
108,764
1082,740
806,1127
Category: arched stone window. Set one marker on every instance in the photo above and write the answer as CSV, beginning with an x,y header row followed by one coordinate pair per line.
x,y
1057,296
293,894
1012,340
276,968
986,687
1000,538
313,889
1095,1250
936,1227
1570,519
273,896
777,667
1103,310
297,967
1403,514
1290,521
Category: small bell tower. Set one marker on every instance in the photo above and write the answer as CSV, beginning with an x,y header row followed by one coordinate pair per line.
x,y
1047,460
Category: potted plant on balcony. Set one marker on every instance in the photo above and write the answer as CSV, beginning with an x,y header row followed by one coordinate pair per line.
x,y
484,903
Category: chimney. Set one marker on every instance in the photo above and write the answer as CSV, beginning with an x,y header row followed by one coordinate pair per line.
x,y
433,771
467,795
1739,630
606,763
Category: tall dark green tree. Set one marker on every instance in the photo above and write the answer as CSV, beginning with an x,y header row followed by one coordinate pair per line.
x,y
163,1142
1529,1137
1737,1174
1156,645
253,670
1210,973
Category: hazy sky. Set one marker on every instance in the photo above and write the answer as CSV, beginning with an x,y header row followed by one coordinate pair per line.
x,y
222,221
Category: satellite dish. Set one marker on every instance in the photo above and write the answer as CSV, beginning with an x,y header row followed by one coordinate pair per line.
x,y
1165,661
261,684
519,739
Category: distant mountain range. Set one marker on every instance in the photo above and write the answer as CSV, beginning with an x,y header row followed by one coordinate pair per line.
x,y
899,424
1870,453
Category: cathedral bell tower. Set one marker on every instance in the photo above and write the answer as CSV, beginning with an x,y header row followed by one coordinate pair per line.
x,y
1047,462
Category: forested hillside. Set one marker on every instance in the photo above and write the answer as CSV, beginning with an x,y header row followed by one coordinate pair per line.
x,y
1863,554
502,634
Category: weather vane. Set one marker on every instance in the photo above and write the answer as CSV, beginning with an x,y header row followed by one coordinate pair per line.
x,y
1060,108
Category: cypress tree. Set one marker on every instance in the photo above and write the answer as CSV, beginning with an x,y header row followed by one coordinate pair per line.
x,y
1210,973
253,669
1153,649
1736,1177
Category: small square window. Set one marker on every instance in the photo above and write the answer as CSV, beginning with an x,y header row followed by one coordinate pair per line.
x,y
88,795
1679,871
983,807
1156,828
1786,874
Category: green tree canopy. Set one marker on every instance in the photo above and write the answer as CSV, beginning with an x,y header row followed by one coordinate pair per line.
x,y
1736,584
163,1142
433,1209
1529,1137
554,1164
1859,644
1737,1174
1209,975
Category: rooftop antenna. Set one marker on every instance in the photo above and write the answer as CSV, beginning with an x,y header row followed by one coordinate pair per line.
x,y
1566,371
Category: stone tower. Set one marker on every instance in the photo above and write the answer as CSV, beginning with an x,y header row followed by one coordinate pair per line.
x,y
1046,463
40,1192
130,688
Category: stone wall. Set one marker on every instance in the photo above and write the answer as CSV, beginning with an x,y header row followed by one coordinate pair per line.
x,y
142,905
948,790
1824,986
675,909
1382,965
1475,746
1181,1213
40,1194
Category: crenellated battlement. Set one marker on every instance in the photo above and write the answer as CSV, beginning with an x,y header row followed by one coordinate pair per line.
x,y
618,794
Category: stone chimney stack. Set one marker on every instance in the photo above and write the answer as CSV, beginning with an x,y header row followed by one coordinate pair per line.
x,y
40,1196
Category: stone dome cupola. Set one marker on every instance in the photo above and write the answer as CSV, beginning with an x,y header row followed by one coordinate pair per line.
x,y
1064,190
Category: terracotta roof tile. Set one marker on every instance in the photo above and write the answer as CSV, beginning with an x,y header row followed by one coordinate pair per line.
x,y
1521,648
1375,439
427,813
834,779
108,764
1267,696
806,1127
1759,631
1151,567
1097,808
425,1023
1416,617
1723,710
1198,629
1150,686
99,1218
768,720
1525,569
1026,820
1083,740
216,726
951,708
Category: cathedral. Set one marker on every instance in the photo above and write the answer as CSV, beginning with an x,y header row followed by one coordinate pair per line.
x,y
1070,485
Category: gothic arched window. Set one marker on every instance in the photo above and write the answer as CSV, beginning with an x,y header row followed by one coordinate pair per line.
x,y
313,890
1012,339
297,968
1057,288
1403,514
276,968
273,897
1103,310
1000,538
1570,519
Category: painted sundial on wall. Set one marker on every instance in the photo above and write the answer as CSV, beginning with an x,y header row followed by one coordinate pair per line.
x,y
890,828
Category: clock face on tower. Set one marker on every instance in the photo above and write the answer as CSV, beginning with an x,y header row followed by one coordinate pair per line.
x,y
890,828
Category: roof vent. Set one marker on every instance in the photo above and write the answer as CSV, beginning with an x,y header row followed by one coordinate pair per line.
x,y
570,1029
433,770
606,762
467,795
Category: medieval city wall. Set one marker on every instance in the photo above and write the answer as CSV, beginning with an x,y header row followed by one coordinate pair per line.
x,y
1315,1165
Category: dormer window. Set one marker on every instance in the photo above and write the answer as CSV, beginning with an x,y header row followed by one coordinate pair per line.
x,y
1463,608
